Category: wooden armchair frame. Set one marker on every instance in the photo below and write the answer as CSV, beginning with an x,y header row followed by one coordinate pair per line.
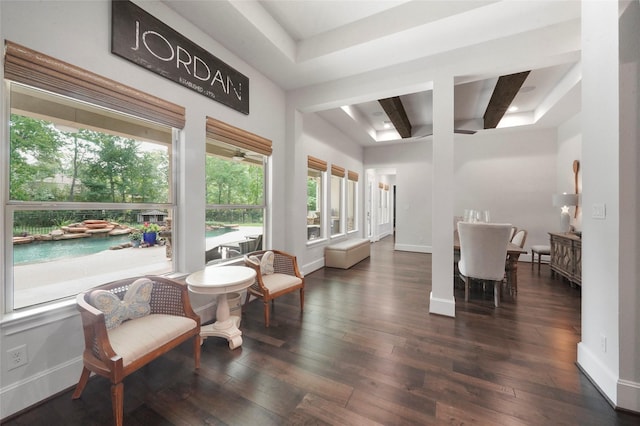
x,y
284,263
167,297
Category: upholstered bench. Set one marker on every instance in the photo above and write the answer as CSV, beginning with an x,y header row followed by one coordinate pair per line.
x,y
540,250
347,253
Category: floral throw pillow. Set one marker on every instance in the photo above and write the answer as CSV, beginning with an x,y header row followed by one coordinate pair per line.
x,y
266,264
135,303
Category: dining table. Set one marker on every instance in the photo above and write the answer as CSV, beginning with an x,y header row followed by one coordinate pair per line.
x,y
511,265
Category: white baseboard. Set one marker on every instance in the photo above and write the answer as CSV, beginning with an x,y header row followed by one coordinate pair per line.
x,y
446,307
413,248
601,376
34,389
629,395
313,266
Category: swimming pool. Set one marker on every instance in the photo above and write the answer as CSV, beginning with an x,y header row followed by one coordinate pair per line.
x,y
44,251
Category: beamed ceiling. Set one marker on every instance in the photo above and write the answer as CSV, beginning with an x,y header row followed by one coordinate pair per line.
x,y
504,54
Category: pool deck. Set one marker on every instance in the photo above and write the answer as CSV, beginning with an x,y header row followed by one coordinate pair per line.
x,y
70,276
43,281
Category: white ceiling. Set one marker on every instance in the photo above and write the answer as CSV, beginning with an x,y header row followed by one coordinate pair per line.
x,y
300,43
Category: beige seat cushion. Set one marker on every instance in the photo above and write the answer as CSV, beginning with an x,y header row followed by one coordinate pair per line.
x,y
276,282
135,338
542,249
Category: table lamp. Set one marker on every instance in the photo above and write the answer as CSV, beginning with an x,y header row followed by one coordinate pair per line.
x,y
564,201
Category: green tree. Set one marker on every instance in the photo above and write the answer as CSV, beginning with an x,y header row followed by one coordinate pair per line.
x,y
111,170
34,156
226,181
78,150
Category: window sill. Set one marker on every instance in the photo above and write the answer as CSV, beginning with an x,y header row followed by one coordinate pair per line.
x,y
23,320
316,242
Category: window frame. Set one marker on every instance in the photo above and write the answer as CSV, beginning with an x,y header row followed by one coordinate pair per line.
x,y
338,177
317,165
39,71
13,206
351,201
223,134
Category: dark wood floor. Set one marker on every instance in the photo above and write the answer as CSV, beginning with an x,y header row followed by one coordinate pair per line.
x,y
366,351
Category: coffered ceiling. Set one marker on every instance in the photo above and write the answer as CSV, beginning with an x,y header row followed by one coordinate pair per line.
x,y
299,44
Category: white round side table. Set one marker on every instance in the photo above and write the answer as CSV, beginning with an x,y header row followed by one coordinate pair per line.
x,y
220,280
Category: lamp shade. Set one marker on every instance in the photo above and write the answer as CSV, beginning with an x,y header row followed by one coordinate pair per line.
x,y
560,200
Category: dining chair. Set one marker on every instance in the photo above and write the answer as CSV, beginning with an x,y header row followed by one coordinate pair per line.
x,y
519,237
514,229
483,250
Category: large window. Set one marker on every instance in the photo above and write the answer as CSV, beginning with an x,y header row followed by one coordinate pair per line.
x,y
316,170
337,214
89,165
236,166
78,190
352,200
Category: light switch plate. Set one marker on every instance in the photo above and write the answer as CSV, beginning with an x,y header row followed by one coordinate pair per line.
x,y
598,211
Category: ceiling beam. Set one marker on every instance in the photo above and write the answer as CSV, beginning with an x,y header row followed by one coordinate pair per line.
x,y
506,89
396,113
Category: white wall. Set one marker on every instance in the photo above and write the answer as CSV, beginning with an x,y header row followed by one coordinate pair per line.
x,y
510,173
79,33
412,165
513,175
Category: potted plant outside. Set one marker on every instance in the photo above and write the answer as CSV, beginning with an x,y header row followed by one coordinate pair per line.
x,y
150,233
135,237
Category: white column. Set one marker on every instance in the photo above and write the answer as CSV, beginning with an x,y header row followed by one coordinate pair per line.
x,y
598,349
442,301
629,104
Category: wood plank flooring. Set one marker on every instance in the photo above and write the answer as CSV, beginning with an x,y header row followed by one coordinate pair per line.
x,y
366,352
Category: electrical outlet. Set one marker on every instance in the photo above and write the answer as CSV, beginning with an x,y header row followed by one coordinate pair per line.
x,y
17,357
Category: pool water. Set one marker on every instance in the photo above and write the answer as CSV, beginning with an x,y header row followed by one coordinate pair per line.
x,y
43,251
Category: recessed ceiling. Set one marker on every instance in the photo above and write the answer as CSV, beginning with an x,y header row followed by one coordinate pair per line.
x,y
299,44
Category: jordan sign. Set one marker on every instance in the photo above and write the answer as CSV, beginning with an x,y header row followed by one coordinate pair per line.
x,y
149,43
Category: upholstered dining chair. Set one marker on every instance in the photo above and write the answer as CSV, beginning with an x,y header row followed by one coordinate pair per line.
x,y
483,250
514,229
519,238
277,274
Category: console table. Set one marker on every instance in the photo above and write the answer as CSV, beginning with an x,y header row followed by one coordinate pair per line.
x,y
566,256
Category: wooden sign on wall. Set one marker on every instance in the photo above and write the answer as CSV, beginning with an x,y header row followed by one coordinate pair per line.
x,y
144,40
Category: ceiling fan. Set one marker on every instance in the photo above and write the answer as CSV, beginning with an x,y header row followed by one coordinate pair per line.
x,y
249,156
239,156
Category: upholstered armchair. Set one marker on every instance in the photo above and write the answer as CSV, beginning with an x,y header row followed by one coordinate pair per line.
x,y
276,274
483,250
130,322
